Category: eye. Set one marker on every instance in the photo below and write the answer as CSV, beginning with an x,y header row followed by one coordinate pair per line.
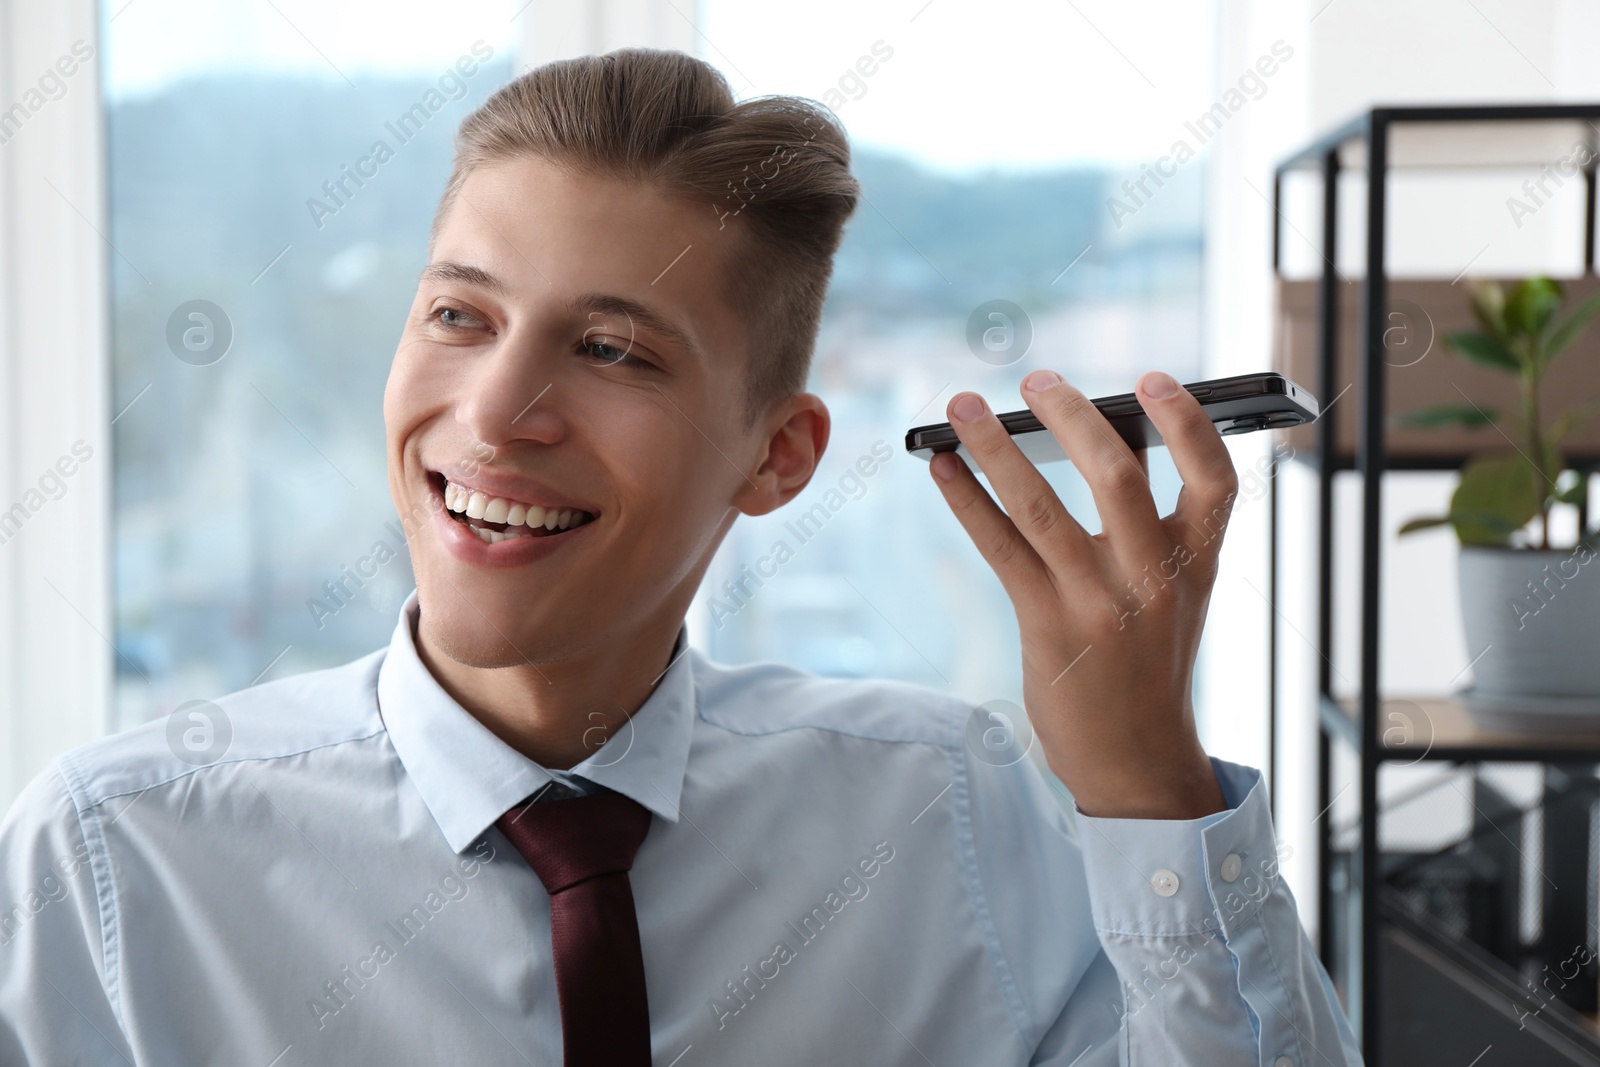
x,y
599,352
453,318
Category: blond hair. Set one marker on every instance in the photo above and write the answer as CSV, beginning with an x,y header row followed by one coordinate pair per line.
x,y
774,169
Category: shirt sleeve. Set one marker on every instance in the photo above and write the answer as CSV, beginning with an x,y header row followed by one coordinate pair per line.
x,y
54,1005
1205,941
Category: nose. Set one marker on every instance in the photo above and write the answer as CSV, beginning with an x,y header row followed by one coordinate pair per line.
x,y
512,396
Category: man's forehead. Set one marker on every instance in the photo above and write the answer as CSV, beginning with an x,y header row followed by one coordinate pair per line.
x,y
526,192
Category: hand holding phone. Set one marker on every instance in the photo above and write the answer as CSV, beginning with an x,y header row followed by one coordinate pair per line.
x,y
1109,623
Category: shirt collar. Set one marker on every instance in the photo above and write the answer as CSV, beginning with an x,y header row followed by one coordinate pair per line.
x,y
468,777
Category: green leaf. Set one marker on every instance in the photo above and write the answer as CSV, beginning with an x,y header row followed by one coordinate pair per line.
x,y
1445,415
1481,348
1568,330
1424,524
1489,305
1483,528
1497,496
1531,304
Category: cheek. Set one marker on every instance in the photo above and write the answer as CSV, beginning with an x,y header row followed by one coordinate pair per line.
x,y
643,455
418,378
394,399
664,469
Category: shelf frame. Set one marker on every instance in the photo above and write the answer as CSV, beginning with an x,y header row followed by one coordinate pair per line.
x,y
1372,130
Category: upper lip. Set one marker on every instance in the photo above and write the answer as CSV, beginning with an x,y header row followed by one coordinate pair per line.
x,y
514,487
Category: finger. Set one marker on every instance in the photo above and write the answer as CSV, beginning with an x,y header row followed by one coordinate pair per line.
x,y
1032,505
1209,481
996,537
1119,482
1142,455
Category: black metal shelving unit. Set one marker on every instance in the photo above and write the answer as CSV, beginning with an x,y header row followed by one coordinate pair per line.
x,y
1355,722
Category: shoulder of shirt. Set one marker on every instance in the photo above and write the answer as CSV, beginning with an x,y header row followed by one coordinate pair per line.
x,y
768,697
271,720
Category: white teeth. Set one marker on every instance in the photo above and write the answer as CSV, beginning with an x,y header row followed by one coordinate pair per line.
x,y
478,505
494,537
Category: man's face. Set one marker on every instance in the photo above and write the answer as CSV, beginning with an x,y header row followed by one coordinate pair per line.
x,y
570,347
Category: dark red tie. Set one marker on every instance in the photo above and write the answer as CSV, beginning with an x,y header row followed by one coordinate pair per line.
x,y
582,849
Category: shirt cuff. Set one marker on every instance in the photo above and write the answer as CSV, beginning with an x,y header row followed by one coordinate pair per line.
x,y
1170,877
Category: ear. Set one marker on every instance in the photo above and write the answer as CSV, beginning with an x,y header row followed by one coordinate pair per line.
x,y
797,435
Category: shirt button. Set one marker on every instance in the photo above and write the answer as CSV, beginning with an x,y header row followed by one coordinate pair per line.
x,y
1165,883
1232,864
1283,1061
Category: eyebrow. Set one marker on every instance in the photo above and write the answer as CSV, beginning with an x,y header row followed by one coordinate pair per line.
x,y
588,303
643,314
449,270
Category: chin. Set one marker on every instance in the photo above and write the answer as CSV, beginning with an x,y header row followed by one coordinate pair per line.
x,y
473,636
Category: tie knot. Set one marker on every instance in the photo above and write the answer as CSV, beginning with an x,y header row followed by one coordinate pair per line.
x,y
572,840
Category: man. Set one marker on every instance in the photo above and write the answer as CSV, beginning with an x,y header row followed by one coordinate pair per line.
x,y
538,827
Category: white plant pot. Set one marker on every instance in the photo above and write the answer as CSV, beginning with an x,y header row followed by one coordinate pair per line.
x,y
1533,619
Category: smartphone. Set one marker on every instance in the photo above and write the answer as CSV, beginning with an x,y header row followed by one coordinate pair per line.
x,y
1239,404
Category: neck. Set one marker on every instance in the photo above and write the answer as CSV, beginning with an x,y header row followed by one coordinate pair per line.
x,y
557,713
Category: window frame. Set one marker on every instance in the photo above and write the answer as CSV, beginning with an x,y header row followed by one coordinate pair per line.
x,y
56,659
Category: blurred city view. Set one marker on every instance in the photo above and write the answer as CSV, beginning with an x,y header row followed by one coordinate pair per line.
x,y
247,489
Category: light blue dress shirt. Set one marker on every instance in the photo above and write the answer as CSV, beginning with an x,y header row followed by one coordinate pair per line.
x,y
834,874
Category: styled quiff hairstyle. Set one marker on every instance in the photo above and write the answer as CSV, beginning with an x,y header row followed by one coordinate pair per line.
x,y
775,170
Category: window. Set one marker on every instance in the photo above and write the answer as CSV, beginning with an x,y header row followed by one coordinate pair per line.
x,y
267,249
273,170
1002,180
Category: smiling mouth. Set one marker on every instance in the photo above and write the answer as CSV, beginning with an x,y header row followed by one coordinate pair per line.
x,y
496,519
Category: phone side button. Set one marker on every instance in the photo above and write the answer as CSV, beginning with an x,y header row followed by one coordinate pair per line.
x,y
1204,390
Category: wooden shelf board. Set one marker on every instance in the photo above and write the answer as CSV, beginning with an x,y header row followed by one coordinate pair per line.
x,y
1434,727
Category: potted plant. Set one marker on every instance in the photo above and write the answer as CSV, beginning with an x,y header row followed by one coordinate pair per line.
x,y
1530,609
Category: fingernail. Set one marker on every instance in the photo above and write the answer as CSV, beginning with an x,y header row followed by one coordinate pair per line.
x,y
968,407
1040,380
944,466
1159,384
